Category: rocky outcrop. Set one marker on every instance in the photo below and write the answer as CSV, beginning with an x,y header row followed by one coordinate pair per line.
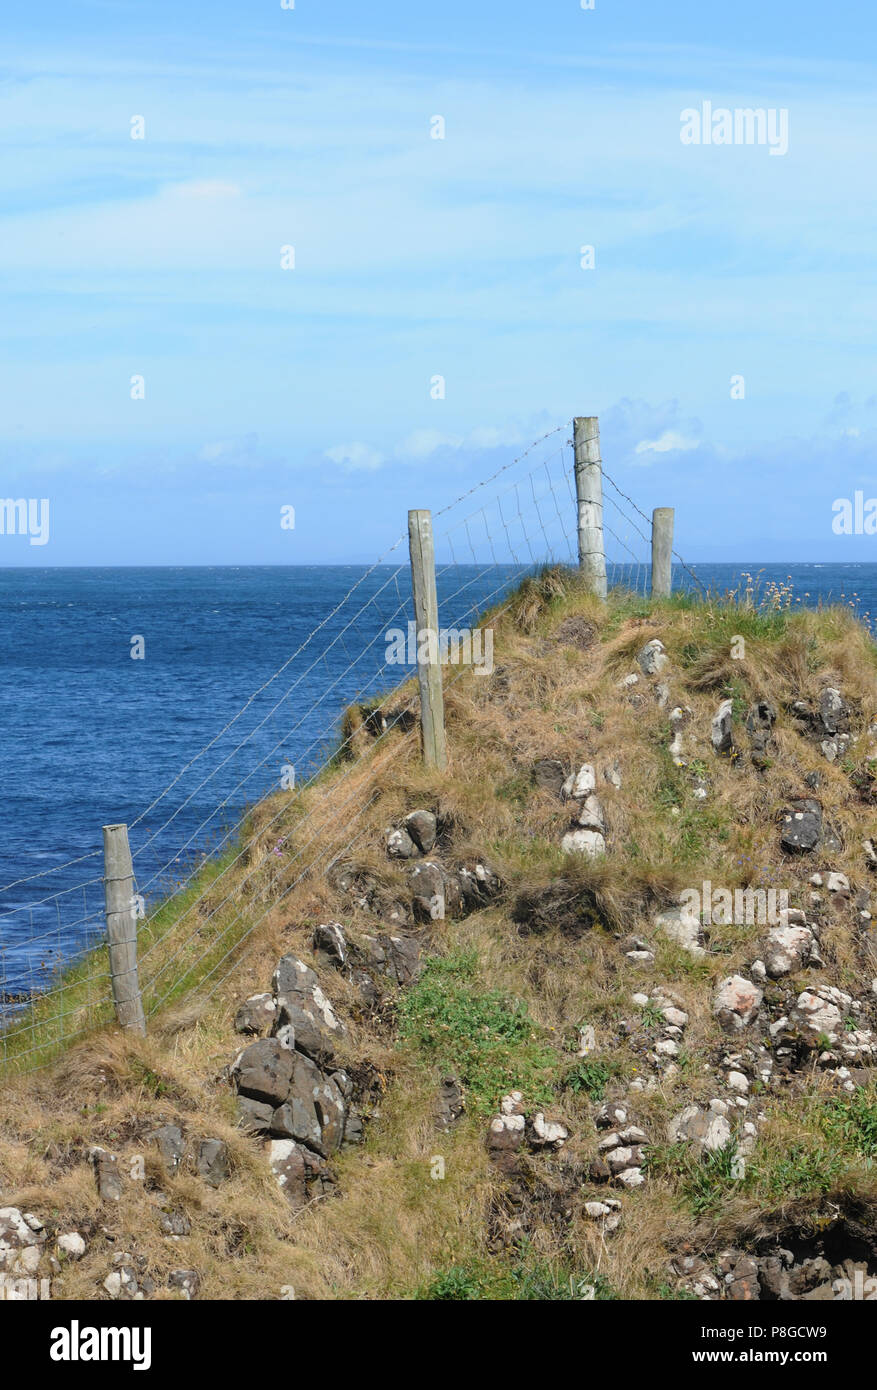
x,y
587,835
511,1130
291,1091
256,1014
305,1019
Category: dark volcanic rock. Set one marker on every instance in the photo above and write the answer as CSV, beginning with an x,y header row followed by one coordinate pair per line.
x,y
422,828
802,826
263,1071
212,1162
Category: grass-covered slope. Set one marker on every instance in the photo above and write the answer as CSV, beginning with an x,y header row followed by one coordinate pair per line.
x,y
573,980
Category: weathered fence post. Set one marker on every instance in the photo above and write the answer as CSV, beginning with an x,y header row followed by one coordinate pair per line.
x,y
662,551
589,492
429,671
122,928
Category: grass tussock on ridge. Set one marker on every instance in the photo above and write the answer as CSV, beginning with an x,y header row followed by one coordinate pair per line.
x,y
506,991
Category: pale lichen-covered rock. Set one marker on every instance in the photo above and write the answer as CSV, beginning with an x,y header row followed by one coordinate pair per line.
x,y
652,658
591,815
506,1131
736,1002
304,1010
817,1017
682,925
547,1133
428,891
588,842
679,718
21,1242
631,1177
186,1281
721,736
579,784
705,1129
70,1246
786,950
399,843
330,945
298,1172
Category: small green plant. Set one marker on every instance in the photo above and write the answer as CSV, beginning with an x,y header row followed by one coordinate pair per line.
x,y
690,654
797,1172
851,1121
590,1078
517,789
704,1182
527,1279
486,1039
734,691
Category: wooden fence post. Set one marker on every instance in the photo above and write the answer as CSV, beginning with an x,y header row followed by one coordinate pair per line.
x,y
589,492
662,551
122,928
429,671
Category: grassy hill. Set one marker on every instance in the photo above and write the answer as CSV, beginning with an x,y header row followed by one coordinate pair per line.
x,y
670,1134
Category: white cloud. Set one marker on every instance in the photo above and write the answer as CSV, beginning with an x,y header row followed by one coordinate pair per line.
x,y
421,443
235,451
669,442
355,456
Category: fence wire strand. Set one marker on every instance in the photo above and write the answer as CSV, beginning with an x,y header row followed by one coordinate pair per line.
x,y
187,860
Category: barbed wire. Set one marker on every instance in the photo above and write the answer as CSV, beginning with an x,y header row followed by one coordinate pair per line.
x,y
530,521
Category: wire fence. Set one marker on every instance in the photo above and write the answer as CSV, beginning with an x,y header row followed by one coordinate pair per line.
x,y
204,880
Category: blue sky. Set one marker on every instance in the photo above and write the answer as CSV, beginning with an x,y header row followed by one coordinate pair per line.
x,y
416,257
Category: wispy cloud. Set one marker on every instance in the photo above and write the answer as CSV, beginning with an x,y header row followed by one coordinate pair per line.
x,y
669,442
355,457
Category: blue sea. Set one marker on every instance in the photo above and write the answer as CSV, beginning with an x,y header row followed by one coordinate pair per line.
x,y
93,735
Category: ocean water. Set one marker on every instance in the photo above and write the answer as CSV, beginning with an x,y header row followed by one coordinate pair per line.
x,y
91,735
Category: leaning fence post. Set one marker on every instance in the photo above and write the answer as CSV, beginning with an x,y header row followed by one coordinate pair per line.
x,y
122,928
429,671
589,492
662,551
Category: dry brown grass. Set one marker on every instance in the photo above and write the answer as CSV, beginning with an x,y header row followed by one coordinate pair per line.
x,y
555,694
